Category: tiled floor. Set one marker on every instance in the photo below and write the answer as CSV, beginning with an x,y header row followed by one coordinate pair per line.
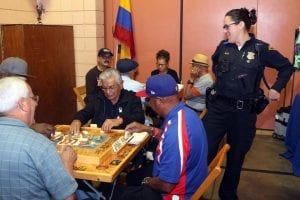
x,y
266,175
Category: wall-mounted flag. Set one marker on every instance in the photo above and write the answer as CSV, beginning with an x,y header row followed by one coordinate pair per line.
x,y
123,30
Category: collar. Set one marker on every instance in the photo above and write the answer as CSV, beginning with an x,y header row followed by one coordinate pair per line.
x,y
12,122
172,113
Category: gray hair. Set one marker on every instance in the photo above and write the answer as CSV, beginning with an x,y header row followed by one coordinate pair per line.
x,y
111,72
12,89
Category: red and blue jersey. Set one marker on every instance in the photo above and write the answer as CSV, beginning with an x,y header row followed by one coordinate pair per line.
x,y
181,156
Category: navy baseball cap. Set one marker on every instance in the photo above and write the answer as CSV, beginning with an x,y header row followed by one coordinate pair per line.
x,y
105,52
126,65
14,66
162,85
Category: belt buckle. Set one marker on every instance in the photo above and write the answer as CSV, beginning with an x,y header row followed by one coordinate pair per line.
x,y
239,104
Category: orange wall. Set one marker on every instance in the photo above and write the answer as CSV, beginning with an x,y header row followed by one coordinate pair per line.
x,y
156,25
153,30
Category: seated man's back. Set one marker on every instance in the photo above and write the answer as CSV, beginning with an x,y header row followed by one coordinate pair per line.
x,y
30,165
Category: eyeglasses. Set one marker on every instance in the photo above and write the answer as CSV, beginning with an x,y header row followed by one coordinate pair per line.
x,y
35,98
226,26
160,65
112,87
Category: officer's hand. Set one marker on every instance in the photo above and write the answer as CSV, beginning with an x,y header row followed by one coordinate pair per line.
x,y
274,95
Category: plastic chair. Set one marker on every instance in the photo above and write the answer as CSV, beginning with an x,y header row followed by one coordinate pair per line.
x,y
214,170
80,94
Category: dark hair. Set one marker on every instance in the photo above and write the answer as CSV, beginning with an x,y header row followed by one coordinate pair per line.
x,y
243,14
163,54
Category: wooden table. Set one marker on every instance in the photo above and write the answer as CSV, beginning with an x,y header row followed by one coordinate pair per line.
x,y
101,163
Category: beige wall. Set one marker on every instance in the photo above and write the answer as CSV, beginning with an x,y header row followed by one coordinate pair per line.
x,y
86,16
17,11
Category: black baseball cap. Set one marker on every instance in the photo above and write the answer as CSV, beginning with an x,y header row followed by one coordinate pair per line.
x,y
105,52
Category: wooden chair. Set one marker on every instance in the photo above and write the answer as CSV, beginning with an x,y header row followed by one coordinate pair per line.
x,y
203,113
80,94
214,170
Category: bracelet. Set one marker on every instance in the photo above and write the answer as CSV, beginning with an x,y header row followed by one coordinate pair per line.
x,y
190,82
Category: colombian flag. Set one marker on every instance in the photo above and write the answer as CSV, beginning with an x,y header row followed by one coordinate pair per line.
x,y
123,30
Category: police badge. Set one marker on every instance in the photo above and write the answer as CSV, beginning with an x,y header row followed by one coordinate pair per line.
x,y
250,55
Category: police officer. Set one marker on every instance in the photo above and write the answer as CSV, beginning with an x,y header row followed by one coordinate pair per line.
x,y
238,64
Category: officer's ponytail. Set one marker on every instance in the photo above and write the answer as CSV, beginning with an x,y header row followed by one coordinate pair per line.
x,y
253,17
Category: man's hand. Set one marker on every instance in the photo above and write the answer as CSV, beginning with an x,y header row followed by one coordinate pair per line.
x,y
274,95
159,185
110,123
194,73
136,127
68,156
43,128
75,126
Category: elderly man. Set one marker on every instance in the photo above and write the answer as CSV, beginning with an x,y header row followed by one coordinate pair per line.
x,y
14,66
112,106
128,70
180,164
30,165
199,81
104,59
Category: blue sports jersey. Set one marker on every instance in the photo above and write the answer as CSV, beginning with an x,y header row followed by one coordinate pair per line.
x,y
181,156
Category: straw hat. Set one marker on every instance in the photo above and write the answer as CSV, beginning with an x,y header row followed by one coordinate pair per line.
x,y
200,59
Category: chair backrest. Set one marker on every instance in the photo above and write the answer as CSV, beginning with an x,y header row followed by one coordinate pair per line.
x,y
80,94
214,170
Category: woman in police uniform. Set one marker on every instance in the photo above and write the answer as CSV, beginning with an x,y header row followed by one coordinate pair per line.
x,y
233,105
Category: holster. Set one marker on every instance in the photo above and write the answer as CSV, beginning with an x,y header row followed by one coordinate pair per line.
x,y
261,102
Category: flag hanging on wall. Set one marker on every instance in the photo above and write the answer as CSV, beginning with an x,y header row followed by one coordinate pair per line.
x,y
123,30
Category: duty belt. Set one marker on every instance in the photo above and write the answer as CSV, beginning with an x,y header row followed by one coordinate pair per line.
x,y
238,103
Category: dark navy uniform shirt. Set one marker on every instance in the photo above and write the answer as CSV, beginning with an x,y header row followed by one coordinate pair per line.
x,y
239,72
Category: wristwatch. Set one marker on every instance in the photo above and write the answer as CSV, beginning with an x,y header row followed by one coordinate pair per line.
x,y
190,82
146,181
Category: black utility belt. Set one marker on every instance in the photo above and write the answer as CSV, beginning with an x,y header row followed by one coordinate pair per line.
x,y
239,104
